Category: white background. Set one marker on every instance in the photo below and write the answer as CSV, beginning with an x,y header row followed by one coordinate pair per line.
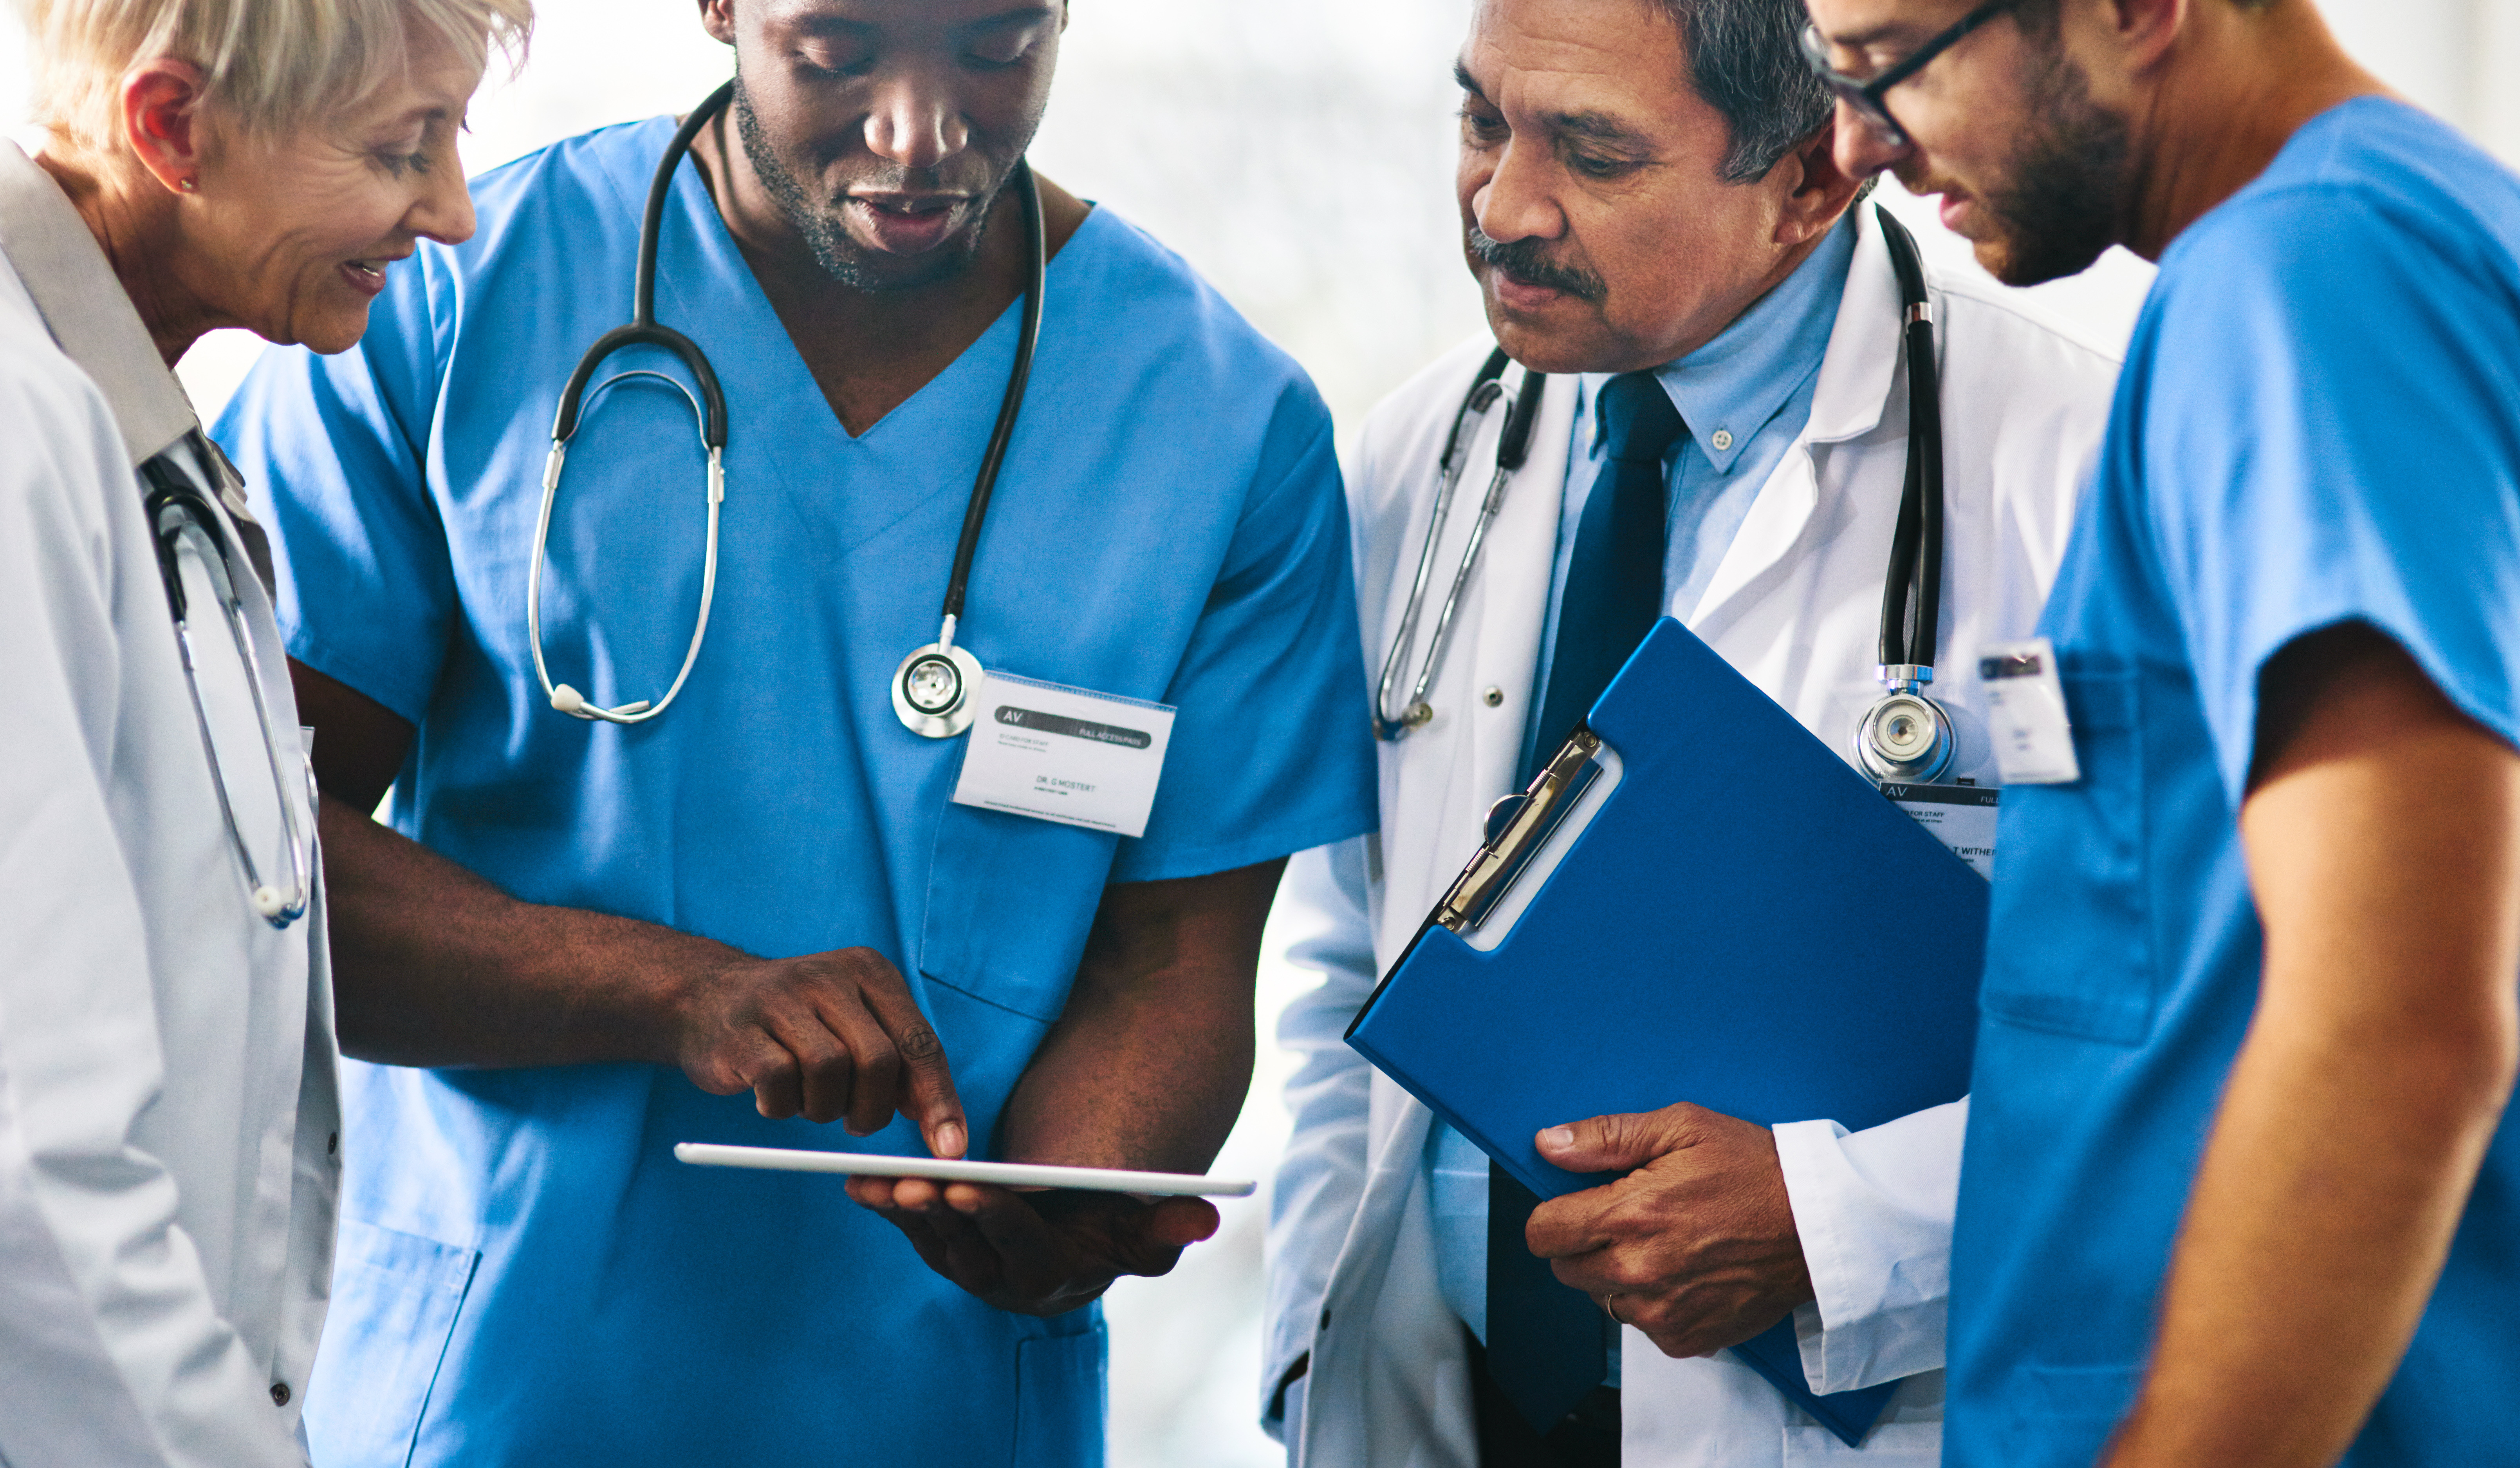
x,y
1298,153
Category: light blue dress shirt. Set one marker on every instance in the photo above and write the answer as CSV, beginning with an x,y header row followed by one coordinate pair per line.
x,y
1745,397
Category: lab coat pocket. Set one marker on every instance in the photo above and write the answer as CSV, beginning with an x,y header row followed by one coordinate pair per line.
x,y
1058,1398
1891,1445
396,1299
1010,901
2080,871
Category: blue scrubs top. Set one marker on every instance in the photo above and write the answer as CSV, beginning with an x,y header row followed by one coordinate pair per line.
x,y
2319,423
527,1276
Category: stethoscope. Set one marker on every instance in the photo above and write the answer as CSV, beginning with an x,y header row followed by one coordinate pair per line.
x,y
1514,444
181,520
1905,735
932,690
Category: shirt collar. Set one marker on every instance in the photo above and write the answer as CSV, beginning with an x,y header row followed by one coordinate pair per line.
x,y
85,308
1730,388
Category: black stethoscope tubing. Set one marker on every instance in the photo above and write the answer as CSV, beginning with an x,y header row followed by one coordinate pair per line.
x,y
956,667
1911,586
643,330
1915,582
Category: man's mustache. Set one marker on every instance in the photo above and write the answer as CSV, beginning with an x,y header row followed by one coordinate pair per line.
x,y
1524,261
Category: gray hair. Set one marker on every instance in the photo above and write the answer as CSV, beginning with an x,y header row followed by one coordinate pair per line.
x,y
1745,58
272,66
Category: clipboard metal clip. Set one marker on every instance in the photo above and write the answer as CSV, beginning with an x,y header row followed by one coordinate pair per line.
x,y
1517,825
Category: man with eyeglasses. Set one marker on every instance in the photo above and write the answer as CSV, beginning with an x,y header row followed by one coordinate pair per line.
x,y
2238,1186
1706,348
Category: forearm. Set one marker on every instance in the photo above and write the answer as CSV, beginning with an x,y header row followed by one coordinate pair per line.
x,y
1135,1080
2382,829
1150,1062
433,966
2321,1217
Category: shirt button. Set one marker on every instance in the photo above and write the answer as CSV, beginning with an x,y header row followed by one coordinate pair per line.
x,y
1722,438
332,1144
1494,697
280,1394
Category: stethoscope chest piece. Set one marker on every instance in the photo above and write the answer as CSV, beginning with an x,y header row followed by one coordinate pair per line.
x,y
1905,737
932,689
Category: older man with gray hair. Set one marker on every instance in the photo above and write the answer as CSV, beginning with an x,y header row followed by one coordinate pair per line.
x,y
1715,407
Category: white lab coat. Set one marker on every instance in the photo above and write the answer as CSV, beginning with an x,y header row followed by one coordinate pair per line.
x,y
168,1122
1795,605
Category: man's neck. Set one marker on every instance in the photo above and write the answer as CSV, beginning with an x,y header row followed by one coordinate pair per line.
x,y
871,350
2234,88
133,219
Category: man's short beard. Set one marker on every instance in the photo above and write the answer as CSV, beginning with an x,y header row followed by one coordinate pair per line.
x,y
2069,181
819,224
1526,260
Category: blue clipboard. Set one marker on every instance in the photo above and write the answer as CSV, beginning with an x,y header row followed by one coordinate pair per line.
x,y
1696,901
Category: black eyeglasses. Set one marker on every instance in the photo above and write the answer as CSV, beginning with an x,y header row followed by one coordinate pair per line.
x,y
1865,94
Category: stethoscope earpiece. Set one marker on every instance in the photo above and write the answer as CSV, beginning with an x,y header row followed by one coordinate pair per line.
x,y
708,414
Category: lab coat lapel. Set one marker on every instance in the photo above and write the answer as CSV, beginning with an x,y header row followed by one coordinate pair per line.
x,y
1465,758
1856,379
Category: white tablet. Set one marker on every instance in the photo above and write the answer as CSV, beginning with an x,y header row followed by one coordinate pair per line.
x,y
1003,1174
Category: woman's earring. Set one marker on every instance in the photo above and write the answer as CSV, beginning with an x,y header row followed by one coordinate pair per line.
x,y
186,185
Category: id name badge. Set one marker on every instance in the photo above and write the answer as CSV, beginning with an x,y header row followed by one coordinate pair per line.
x,y
1960,816
2034,743
1065,755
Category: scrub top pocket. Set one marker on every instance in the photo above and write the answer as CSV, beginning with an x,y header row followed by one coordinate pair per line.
x,y
994,881
2105,990
395,1300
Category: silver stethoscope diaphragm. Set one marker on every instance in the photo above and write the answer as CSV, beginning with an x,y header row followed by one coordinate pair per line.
x,y
1905,736
932,690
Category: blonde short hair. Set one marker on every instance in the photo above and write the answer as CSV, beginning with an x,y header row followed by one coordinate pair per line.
x,y
271,66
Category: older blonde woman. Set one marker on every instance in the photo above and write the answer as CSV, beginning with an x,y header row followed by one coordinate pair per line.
x,y
169,1124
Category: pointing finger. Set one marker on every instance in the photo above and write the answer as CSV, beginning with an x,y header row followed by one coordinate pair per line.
x,y
926,1081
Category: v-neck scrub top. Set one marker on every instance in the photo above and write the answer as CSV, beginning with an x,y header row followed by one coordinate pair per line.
x,y
2319,424
526,1275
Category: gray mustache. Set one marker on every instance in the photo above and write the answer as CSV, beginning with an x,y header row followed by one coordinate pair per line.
x,y
1524,261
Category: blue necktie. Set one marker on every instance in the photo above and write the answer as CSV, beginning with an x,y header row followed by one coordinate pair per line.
x,y
1613,591
1547,1343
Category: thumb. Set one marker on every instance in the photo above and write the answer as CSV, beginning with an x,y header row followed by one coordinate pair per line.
x,y
1618,1143
1150,1241
1179,1222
